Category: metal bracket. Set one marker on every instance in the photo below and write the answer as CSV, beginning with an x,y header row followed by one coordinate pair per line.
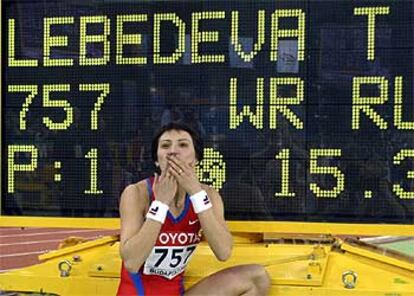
x,y
349,278
65,267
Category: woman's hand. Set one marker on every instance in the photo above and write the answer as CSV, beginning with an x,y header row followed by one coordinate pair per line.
x,y
165,187
184,174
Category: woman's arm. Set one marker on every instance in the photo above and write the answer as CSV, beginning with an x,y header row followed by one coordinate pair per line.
x,y
138,237
214,226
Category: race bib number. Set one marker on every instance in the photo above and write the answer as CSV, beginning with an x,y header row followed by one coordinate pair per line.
x,y
168,261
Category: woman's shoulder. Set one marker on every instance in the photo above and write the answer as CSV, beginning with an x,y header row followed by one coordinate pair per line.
x,y
210,190
133,205
214,196
136,192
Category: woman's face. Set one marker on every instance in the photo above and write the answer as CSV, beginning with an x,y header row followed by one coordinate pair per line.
x,y
178,143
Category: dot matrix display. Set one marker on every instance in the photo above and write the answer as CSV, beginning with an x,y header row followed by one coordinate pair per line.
x,y
306,108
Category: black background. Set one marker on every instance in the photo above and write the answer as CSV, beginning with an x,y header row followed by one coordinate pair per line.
x,y
140,95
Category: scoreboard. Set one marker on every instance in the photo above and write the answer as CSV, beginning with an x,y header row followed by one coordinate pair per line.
x,y
306,107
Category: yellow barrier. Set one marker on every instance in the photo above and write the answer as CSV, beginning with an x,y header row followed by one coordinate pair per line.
x,y
234,226
325,266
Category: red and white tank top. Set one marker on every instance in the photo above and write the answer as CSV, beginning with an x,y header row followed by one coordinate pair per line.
x,y
176,241
163,271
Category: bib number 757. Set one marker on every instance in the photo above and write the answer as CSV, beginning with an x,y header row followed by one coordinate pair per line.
x,y
168,261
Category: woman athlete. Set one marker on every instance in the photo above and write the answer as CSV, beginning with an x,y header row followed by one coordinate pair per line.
x,y
161,219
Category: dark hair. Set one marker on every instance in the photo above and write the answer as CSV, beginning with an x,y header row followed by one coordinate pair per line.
x,y
179,126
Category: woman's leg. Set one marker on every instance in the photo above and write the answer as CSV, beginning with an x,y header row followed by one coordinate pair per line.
x,y
251,279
